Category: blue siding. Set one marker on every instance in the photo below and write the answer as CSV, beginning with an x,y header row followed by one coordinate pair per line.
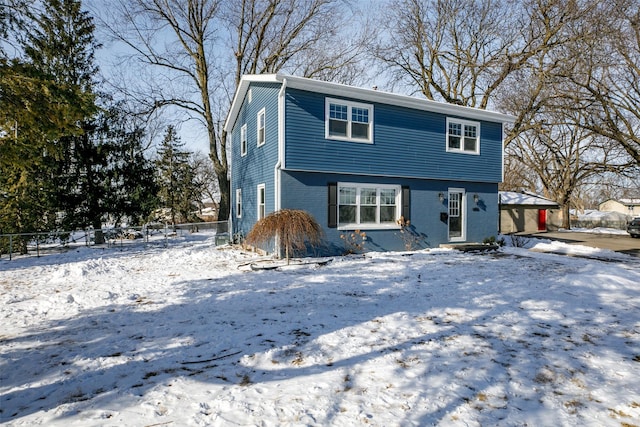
x,y
256,167
407,143
309,191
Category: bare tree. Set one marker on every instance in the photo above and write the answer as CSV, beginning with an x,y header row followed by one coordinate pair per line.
x,y
462,51
611,75
304,37
575,104
562,157
480,53
196,67
205,177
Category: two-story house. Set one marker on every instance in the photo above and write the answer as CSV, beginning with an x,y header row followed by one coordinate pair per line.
x,y
360,159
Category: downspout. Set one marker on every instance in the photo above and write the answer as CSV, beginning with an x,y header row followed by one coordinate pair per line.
x,y
280,163
277,170
232,196
499,213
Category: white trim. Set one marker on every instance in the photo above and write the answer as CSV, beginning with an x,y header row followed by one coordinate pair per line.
x,y
462,123
238,202
264,201
367,95
370,226
243,140
502,150
462,211
349,121
264,127
231,184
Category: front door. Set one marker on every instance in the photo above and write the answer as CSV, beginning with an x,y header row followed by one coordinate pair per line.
x,y
457,220
542,219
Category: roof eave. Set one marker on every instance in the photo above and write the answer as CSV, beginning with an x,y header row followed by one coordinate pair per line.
x,y
372,95
337,89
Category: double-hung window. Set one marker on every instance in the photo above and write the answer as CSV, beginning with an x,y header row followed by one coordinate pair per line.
x,y
238,203
368,205
260,127
463,136
243,140
261,201
348,121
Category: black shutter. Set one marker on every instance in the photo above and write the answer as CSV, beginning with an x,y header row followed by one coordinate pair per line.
x,y
406,203
332,188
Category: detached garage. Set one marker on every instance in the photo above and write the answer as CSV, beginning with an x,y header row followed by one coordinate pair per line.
x,y
528,213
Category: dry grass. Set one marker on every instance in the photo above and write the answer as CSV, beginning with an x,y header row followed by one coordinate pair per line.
x,y
294,228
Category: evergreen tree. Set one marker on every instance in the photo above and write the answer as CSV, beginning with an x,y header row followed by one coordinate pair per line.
x,y
34,112
61,47
131,177
64,162
177,180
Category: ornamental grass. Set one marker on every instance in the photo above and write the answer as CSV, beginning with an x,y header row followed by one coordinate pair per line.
x,y
293,230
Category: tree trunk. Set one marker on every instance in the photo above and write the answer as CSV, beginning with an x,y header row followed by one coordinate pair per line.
x,y
225,191
98,235
566,219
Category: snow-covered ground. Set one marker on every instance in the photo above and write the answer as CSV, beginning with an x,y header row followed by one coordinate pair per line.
x,y
190,336
599,230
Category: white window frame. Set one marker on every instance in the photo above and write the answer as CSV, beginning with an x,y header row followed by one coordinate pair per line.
x,y
370,226
462,124
249,95
261,134
350,106
243,140
261,204
238,203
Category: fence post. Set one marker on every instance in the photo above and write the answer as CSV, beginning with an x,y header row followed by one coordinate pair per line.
x,y
166,236
37,246
10,246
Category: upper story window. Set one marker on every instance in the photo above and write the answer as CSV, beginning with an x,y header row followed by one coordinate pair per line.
x,y
260,125
243,140
348,121
463,136
368,205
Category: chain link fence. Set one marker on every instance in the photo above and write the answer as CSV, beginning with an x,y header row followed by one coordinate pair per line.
x,y
14,245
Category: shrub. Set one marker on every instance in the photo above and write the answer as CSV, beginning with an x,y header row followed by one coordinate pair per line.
x,y
494,241
293,229
410,237
354,241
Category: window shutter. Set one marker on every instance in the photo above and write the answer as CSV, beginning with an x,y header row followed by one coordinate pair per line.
x,y
333,205
406,203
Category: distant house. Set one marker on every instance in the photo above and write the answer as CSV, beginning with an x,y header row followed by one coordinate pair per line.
x,y
208,212
362,159
629,207
529,213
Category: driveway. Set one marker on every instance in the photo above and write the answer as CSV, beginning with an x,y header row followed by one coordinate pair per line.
x,y
616,242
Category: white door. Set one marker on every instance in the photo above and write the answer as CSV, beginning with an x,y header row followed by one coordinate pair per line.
x,y
457,220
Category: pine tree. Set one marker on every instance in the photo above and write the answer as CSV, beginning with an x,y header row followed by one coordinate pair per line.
x,y
131,177
61,46
64,163
178,190
34,112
